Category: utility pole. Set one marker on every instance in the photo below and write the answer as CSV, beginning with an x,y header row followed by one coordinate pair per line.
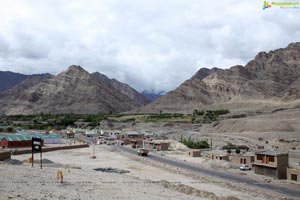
x,y
211,155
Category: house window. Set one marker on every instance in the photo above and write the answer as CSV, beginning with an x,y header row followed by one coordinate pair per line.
x,y
259,157
241,160
271,159
294,177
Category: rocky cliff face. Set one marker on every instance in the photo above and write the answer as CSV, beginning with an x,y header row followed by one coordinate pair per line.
x,y
123,88
71,91
270,80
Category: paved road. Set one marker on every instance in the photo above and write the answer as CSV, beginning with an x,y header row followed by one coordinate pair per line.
x,y
230,177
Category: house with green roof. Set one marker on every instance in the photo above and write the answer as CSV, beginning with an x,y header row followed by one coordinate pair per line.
x,y
16,141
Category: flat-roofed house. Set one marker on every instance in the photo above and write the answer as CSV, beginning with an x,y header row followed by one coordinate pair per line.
x,y
246,159
194,153
219,155
271,163
293,174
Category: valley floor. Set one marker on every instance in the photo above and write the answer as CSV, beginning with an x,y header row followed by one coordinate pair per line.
x,y
145,180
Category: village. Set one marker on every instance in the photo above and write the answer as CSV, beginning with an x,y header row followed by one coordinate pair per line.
x,y
254,161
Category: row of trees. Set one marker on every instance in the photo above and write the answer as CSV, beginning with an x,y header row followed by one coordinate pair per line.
x,y
195,144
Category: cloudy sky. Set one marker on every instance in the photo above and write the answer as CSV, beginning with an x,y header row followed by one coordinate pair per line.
x,y
149,44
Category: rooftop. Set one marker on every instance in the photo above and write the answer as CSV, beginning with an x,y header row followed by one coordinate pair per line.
x,y
16,137
23,137
270,153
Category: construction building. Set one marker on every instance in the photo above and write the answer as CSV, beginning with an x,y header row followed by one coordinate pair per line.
x,y
293,174
271,163
194,153
246,159
219,155
162,146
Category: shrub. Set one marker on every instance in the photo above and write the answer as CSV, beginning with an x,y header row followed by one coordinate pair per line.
x,y
195,145
237,151
229,151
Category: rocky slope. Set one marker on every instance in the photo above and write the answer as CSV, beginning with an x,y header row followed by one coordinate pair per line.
x,y
270,80
71,91
123,88
10,79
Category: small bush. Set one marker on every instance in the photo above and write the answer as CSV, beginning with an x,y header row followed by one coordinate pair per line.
x,y
237,151
195,145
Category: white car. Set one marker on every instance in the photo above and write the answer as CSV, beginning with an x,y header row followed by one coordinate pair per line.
x,y
245,167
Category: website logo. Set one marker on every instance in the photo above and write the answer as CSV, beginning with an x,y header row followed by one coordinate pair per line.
x,y
266,5
282,4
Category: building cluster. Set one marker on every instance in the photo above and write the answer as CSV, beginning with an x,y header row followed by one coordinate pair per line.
x,y
264,162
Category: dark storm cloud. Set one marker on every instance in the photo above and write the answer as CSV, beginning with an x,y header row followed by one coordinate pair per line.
x,y
147,44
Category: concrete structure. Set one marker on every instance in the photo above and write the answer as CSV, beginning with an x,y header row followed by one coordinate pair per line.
x,y
49,138
194,153
5,155
162,146
133,134
247,159
219,155
157,145
271,163
293,174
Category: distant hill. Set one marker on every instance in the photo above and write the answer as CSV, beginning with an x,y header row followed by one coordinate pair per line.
x,y
152,96
270,80
10,79
72,91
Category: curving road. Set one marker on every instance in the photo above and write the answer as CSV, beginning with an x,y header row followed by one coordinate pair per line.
x,y
230,177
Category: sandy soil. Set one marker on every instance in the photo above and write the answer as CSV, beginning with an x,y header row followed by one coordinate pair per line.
x,y
146,180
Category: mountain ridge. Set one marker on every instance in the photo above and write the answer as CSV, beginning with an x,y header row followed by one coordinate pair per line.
x,y
71,91
270,78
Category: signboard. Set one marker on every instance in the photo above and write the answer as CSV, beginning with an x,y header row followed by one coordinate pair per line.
x,y
37,148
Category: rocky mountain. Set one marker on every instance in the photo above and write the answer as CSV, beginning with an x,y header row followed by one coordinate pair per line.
x,y
10,79
123,88
270,80
71,91
152,96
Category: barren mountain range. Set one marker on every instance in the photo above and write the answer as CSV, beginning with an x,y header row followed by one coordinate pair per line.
x,y
71,91
270,80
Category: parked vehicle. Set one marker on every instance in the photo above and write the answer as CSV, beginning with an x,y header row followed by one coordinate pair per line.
x,y
245,167
142,152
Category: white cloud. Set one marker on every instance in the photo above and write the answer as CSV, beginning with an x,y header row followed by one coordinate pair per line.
x,y
149,44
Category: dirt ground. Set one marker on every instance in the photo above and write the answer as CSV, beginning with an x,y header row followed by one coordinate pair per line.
x,y
146,180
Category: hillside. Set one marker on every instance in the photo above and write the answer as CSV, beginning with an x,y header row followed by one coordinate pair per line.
x,y
71,91
270,80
